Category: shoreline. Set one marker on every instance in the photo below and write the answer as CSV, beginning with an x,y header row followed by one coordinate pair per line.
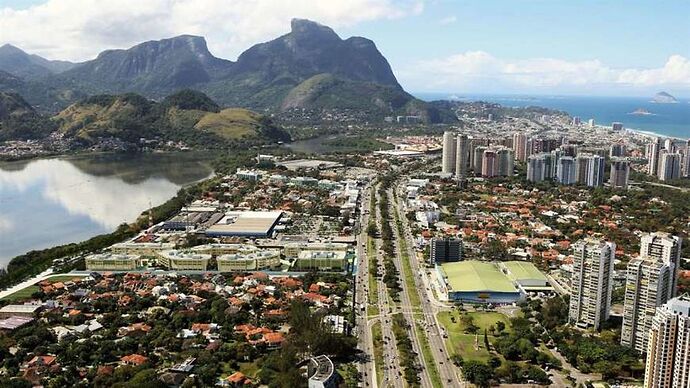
x,y
34,262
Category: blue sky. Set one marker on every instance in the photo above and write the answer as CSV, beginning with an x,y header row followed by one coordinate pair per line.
x,y
538,47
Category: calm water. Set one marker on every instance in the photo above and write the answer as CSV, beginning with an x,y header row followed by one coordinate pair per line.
x,y
667,119
49,202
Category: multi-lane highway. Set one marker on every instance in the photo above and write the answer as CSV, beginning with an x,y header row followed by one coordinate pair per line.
x,y
422,315
390,365
430,307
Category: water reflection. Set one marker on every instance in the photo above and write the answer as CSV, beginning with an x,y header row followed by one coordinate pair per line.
x,y
54,201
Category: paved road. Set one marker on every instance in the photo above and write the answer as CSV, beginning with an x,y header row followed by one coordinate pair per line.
x,y
450,375
408,310
390,365
17,287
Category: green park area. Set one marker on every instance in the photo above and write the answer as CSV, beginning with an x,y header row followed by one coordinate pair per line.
x,y
466,332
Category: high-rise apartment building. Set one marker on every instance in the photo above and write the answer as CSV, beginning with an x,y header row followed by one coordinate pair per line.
x,y
520,146
490,163
665,247
506,162
462,148
647,286
668,349
591,283
565,170
669,166
617,150
477,159
445,250
653,150
448,153
620,173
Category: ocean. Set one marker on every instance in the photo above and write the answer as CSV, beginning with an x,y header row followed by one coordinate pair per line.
x,y
670,120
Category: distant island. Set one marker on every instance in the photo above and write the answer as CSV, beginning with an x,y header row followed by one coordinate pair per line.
x,y
641,112
664,98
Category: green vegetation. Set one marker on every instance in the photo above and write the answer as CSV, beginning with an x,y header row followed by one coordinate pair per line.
x,y
377,337
357,144
24,293
462,328
19,121
231,123
405,351
187,116
492,348
601,354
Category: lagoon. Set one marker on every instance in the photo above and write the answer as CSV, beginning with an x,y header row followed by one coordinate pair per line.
x,y
49,202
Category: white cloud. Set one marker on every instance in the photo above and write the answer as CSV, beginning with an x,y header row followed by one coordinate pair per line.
x,y
5,225
98,198
478,71
448,20
80,29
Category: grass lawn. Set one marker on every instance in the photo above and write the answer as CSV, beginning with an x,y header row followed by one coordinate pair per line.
x,y
464,344
377,337
24,293
64,278
373,286
249,368
434,374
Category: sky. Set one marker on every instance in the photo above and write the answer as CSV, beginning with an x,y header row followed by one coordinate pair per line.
x,y
618,48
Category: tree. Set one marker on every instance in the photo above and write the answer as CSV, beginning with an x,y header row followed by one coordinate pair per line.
x,y
500,326
477,373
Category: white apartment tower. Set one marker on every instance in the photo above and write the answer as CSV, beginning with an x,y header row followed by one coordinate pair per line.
x,y
591,283
449,152
653,150
520,146
665,247
668,350
669,166
647,286
565,170
462,154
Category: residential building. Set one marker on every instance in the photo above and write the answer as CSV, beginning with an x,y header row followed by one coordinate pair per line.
x,y
506,162
617,126
537,168
462,148
591,282
565,170
477,159
620,173
595,171
448,153
686,161
669,166
665,247
490,163
443,250
647,286
652,153
668,358
617,150
520,146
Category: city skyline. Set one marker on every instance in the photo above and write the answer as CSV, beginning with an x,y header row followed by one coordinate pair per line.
x,y
591,49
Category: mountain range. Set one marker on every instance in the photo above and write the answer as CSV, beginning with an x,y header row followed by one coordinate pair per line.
x,y
310,67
